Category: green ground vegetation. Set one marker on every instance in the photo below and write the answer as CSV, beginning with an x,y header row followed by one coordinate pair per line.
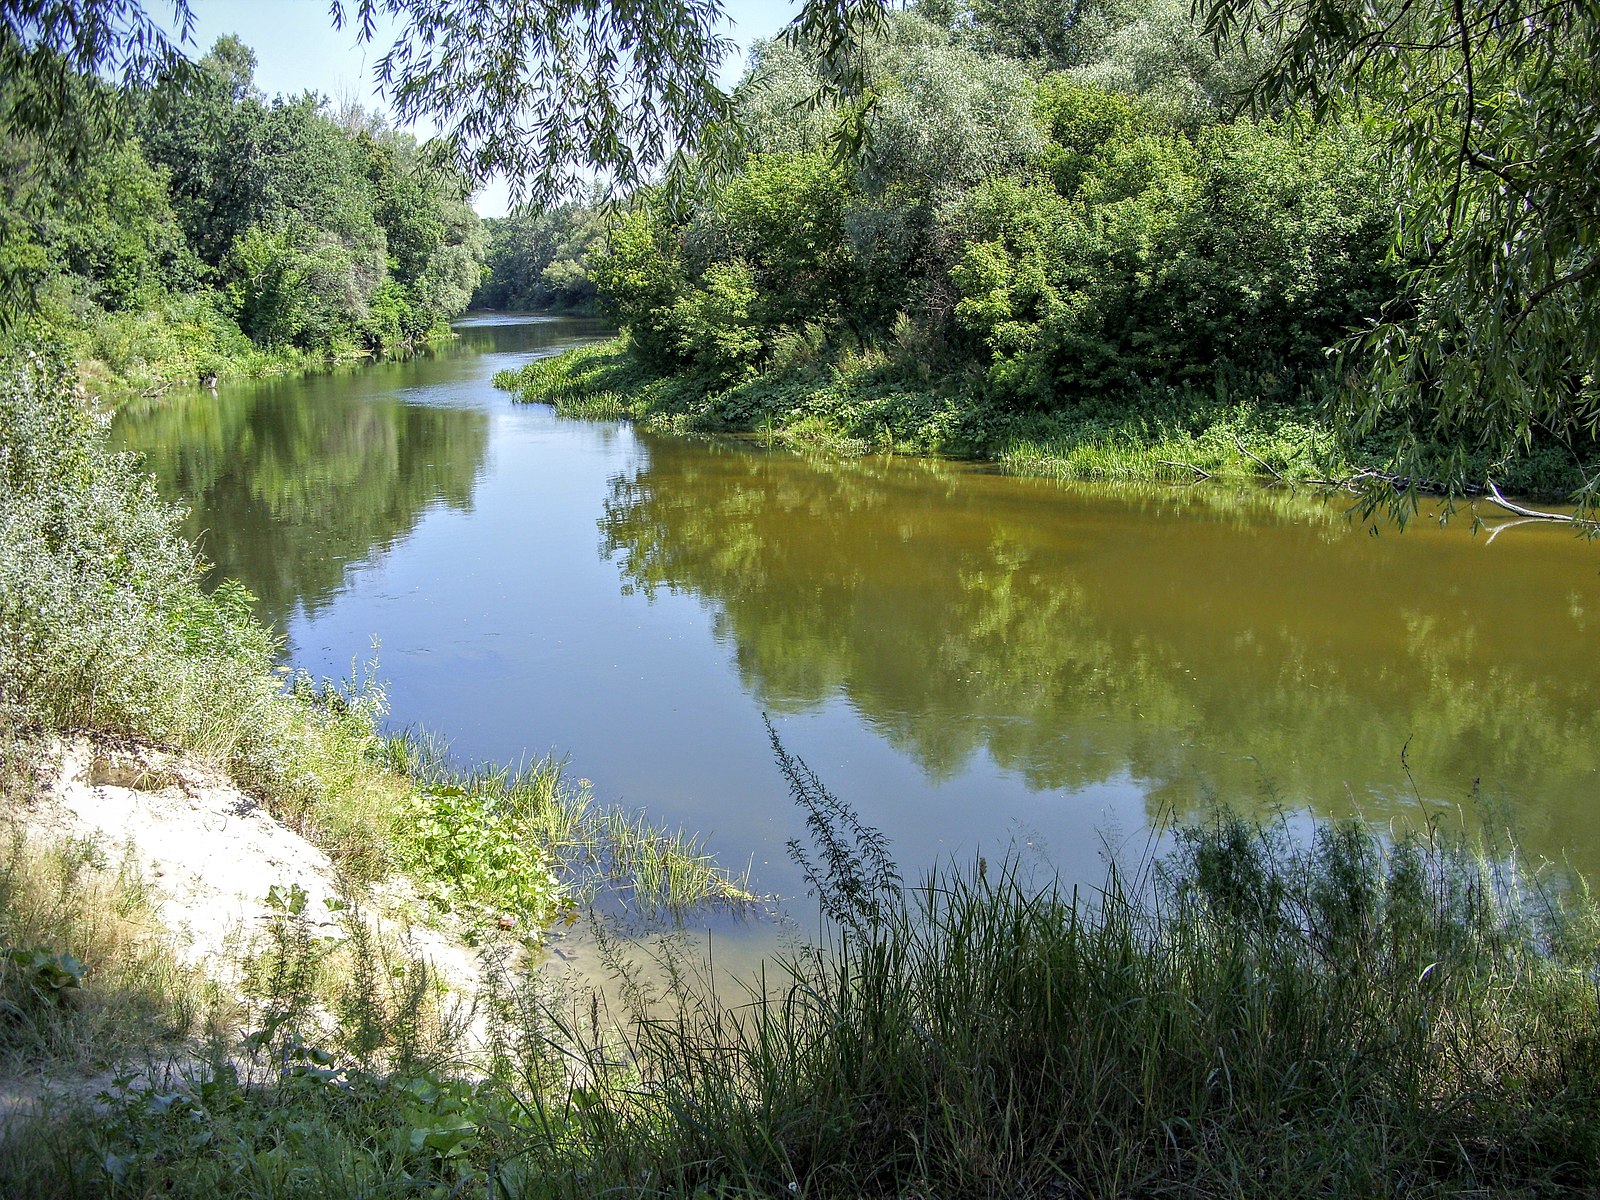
x,y
1252,1014
106,631
1095,264
196,228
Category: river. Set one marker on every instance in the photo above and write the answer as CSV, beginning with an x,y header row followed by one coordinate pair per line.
x,y
977,663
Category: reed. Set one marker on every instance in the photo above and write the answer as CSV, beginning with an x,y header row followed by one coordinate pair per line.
x,y
1254,1017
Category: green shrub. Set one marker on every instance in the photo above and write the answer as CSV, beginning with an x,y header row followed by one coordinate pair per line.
x,y
103,623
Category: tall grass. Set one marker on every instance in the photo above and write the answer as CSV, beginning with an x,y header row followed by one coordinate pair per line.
x,y
1255,1015
1260,1017
87,974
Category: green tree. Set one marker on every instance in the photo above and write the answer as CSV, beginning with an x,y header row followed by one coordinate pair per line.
x,y
550,94
1491,107
1058,34
1161,260
536,259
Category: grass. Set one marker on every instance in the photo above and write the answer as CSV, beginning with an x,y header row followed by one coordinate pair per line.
x,y
531,832
866,400
86,971
1253,1016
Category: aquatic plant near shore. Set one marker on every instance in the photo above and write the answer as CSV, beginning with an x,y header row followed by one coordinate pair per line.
x,y
532,842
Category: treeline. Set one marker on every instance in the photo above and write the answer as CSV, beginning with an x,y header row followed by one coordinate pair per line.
x,y
537,260
207,230
1062,232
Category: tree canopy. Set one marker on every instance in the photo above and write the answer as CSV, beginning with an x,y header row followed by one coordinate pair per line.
x,y
1493,110
551,93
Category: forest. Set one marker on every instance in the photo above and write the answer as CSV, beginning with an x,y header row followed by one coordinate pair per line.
x,y
212,231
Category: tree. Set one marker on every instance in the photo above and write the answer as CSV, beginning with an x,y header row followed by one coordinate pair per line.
x,y
549,92
1492,108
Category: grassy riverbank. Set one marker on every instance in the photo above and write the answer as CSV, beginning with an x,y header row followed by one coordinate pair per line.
x,y
872,402
106,631
1254,1016
185,341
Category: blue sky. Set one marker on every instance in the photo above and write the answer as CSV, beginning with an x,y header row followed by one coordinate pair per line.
x,y
297,49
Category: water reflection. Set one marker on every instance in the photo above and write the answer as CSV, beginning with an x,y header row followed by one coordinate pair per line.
x,y
291,481
1198,649
303,489
970,659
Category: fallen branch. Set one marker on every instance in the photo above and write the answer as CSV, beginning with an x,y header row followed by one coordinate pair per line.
x,y
1534,514
1261,462
1184,466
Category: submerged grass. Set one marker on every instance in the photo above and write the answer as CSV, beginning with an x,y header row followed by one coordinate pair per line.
x,y
493,817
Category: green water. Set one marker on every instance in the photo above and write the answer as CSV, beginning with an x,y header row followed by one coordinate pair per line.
x,y
976,662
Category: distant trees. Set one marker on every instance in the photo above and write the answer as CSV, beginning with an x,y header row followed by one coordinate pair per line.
x,y
214,212
537,258
1072,244
318,235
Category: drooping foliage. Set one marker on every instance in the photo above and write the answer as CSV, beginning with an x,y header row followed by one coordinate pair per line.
x,y
1492,344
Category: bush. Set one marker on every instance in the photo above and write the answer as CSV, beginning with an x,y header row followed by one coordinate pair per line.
x,y
103,623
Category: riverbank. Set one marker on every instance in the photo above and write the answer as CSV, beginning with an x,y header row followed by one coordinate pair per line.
x,y
1256,1015
168,788
126,357
871,402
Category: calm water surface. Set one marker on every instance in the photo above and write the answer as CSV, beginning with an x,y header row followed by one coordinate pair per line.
x,y
976,662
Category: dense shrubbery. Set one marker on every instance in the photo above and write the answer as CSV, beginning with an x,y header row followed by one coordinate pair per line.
x,y
1013,248
1087,249
214,232
103,624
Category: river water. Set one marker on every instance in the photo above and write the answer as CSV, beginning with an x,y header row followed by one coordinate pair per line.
x,y
977,663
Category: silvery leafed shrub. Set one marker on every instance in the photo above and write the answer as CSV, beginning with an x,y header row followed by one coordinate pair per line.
x,y
103,623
